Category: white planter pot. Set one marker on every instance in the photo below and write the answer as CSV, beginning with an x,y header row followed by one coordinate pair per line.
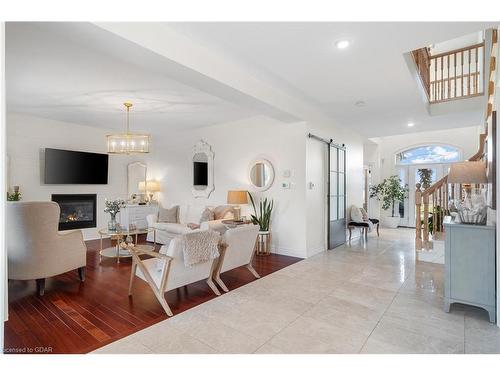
x,y
390,222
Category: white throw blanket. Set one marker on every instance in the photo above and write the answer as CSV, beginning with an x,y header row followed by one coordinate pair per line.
x,y
200,246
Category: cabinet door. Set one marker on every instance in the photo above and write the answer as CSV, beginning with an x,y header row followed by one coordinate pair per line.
x,y
472,272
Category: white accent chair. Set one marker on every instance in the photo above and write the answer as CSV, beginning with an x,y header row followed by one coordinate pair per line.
x,y
238,250
166,270
36,249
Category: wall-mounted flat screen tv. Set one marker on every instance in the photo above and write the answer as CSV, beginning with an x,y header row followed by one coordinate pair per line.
x,y
200,173
75,167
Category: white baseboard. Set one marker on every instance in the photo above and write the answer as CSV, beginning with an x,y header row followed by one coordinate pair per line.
x,y
290,252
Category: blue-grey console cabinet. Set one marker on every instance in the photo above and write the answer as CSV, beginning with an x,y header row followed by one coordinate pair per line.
x,y
470,266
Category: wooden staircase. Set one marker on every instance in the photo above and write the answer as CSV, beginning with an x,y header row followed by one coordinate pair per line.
x,y
432,204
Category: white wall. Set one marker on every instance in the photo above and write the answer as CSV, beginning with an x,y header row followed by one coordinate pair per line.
x,y
316,197
317,165
371,159
27,135
235,145
299,225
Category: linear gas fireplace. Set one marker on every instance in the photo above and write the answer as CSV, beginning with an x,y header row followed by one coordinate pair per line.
x,y
77,210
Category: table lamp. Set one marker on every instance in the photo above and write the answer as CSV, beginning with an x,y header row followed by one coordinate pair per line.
x,y
473,208
149,187
468,172
237,197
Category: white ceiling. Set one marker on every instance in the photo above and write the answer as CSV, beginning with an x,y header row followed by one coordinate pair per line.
x,y
372,69
82,74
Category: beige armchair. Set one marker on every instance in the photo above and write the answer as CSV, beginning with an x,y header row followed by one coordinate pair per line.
x,y
35,248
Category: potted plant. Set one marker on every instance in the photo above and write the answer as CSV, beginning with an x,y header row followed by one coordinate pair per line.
x,y
389,192
15,195
263,220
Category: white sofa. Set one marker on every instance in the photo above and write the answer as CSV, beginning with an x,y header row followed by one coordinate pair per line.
x,y
165,232
238,250
166,271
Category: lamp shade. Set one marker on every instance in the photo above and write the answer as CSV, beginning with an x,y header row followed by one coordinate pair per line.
x,y
237,197
151,186
468,172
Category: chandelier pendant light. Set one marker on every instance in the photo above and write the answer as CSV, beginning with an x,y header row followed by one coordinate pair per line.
x,y
128,143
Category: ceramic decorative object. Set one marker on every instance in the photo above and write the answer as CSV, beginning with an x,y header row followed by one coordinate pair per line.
x,y
473,210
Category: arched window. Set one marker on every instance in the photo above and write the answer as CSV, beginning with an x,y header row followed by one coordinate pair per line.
x,y
429,154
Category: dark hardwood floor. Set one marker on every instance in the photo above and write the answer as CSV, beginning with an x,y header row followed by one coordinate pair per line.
x,y
76,317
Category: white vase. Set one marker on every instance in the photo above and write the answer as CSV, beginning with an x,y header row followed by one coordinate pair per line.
x,y
390,221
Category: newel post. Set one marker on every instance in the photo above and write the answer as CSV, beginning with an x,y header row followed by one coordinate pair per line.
x,y
425,200
418,226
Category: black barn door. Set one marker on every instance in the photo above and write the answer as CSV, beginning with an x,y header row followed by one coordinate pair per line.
x,y
336,196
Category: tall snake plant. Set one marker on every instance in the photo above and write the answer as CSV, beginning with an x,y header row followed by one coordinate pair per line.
x,y
263,218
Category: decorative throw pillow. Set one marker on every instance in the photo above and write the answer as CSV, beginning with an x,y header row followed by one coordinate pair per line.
x,y
356,215
364,214
207,215
223,212
168,215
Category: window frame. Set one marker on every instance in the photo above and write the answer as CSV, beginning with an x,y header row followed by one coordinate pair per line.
x,y
433,144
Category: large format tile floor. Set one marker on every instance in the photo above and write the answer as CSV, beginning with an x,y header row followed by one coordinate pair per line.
x,y
359,298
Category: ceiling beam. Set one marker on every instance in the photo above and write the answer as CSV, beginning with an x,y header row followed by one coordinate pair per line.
x,y
210,71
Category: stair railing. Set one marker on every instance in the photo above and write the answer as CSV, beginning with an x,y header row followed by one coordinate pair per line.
x,y
451,75
431,206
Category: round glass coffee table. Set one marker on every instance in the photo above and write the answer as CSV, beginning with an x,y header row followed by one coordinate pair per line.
x,y
121,236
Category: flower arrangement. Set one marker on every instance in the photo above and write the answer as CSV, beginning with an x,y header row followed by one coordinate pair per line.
x,y
113,207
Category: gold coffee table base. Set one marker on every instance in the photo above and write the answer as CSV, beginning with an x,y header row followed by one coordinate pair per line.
x,y
117,251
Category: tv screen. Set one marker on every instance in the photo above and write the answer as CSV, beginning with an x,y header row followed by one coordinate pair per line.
x,y
200,173
75,167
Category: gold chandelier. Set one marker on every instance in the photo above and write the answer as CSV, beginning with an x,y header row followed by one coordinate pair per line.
x,y
128,143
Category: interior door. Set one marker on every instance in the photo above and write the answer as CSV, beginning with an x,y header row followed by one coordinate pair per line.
x,y
336,196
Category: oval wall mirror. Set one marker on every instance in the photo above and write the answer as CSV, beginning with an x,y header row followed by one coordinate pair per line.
x,y
261,174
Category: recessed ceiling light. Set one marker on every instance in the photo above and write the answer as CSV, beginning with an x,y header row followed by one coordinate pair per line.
x,y
360,103
411,124
341,44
